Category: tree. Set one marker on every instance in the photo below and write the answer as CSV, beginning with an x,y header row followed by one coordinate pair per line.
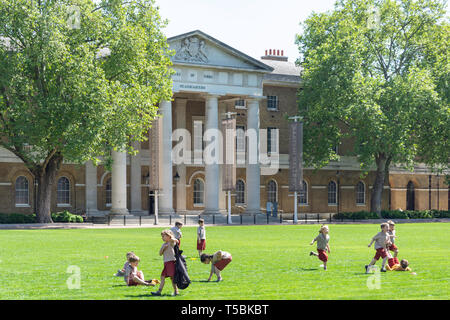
x,y
376,72
78,79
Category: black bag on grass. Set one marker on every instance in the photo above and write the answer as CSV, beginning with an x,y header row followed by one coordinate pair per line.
x,y
181,276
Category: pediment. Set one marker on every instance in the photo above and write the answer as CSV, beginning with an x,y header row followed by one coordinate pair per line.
x,y
199,49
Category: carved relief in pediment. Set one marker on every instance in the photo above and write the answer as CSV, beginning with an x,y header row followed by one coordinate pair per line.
x,y
192,49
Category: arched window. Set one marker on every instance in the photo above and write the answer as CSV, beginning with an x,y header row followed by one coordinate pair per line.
x,y
199,191
332,193
410,196
272,191
63,191
303,195
360,193
108,188
22,193
240,192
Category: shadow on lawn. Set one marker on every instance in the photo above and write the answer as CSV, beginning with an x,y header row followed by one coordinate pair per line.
x,y
150,296
310,269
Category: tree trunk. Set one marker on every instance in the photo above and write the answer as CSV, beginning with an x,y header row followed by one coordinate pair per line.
x,y
383,163
46,177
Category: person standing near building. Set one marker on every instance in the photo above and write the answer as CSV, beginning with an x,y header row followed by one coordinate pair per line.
x,y
176,230
201,237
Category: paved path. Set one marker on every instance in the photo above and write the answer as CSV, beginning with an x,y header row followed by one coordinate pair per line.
x,y
33,226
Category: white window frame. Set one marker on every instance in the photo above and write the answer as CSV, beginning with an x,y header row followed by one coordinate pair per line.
x,y
363,194
240,106
335,192
243,192
275,100
273,138
22,205
63,204
202,204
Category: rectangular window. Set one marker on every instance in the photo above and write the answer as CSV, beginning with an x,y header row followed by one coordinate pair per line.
x,y
272,103
272,140
239,104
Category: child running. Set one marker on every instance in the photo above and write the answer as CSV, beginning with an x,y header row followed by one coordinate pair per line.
x,y
133,277
391,232
168,254
177,231
322,245
219,261
201,237
402,266
381,240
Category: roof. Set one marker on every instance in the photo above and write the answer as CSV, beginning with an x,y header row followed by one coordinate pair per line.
x,y
283,71
259,64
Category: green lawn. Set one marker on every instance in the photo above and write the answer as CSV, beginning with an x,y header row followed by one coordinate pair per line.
x,y
269,262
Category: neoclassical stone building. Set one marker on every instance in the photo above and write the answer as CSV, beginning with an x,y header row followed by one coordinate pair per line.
x,y
211,79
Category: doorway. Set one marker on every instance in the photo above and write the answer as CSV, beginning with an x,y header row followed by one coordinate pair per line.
x,y
410,196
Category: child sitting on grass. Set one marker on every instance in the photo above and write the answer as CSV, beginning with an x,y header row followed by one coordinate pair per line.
x,y
133,277
402,266
322,245
219,261
121,273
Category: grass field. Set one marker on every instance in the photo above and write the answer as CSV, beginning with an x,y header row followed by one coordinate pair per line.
x,y
269,262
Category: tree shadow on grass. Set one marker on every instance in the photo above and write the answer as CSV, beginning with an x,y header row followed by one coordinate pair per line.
x,y
119,285
204,281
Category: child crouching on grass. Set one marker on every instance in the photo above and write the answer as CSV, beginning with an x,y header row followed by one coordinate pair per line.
x,y
168,254
322,245
133,277
218,260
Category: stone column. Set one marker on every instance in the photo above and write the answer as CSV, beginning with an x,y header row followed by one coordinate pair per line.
x,y
135,180
165,200
91,189
119,183
222,194
211,166
180,114
253,169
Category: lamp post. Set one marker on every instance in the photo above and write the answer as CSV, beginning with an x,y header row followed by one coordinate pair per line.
x,y
438,191
338,174
297,119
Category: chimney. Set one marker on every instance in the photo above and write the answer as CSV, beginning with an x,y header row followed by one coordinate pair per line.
x,y
274,54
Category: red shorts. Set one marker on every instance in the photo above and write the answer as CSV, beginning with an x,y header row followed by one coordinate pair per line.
x,y
222,263
169,269
380,253
322,255
391,262
392,247
131,282
201,245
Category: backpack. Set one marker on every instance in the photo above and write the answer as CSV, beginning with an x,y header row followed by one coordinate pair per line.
x,y
181,276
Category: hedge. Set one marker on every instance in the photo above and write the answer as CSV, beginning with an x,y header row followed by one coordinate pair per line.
x,y
393,214
64,216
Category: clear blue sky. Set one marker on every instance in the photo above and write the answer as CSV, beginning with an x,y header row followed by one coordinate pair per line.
x,y
250,26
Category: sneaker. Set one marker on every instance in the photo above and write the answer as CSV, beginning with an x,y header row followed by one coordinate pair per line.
x,y
218,280
156,293
311,253
383,270
175,294
367,268
150,283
